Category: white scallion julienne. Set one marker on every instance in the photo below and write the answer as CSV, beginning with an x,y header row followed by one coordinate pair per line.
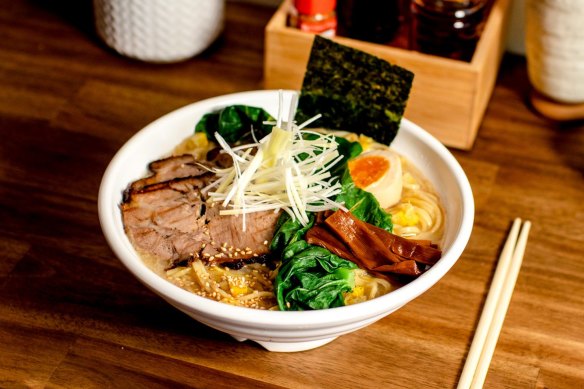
x,y
282,171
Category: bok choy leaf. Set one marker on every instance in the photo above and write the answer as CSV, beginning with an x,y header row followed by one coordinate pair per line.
x,y
311,277
234,123
362,204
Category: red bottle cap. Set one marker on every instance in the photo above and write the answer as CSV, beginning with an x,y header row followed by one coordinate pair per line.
x,y
312,7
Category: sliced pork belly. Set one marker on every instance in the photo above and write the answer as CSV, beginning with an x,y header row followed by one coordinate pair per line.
x,y
167,219
171,168
166,216
231,242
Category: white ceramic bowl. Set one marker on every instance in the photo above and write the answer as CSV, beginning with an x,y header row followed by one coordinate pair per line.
x,y
276,330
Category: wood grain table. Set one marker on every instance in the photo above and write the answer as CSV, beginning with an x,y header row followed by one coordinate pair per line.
x,y
72,316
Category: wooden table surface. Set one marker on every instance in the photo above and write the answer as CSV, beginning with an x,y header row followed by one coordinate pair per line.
x,y
72,316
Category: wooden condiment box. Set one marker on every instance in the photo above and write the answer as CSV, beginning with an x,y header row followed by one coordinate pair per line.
x,y
448,97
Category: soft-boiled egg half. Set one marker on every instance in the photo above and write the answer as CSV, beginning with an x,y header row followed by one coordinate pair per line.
x,y
378,172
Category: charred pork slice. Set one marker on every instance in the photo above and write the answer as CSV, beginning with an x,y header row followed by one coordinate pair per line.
x,y
172,221
229,241
170,168
167,220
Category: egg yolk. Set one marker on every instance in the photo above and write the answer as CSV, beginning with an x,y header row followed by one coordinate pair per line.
x,y
366,170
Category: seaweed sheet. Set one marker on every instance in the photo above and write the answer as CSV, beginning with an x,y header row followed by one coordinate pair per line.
x,y
354,91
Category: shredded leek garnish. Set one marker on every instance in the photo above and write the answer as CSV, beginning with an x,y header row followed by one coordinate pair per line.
x,y
282,171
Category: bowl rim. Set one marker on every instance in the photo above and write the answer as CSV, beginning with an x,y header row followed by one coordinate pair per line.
x,y
278,319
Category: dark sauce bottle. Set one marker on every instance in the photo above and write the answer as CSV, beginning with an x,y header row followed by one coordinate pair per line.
x,y
368,20
447,28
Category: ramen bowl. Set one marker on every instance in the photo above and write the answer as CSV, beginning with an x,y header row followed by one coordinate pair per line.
x,y
282,330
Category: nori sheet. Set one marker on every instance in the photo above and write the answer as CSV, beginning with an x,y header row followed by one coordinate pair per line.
x,y
354,91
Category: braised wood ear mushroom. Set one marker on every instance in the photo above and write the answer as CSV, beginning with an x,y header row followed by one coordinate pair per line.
x,y
371,247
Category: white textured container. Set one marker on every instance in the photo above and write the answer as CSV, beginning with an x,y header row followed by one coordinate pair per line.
x,y
159,30
555,48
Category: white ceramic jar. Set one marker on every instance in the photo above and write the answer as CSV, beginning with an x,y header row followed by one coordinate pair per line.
x,y
555,48
159,30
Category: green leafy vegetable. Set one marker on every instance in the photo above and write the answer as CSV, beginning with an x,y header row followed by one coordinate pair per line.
x,y
312,278
363,204
234,123
354,91
288,231
348,150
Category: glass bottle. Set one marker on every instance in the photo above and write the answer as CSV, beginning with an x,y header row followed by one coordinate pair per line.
x,y
447,28
315,16
369,20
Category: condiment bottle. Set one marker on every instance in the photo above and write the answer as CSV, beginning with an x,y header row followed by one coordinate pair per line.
x,y
369,20
447,28
315,16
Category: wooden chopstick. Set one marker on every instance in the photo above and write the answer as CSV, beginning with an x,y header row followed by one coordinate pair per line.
x,y
487,333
